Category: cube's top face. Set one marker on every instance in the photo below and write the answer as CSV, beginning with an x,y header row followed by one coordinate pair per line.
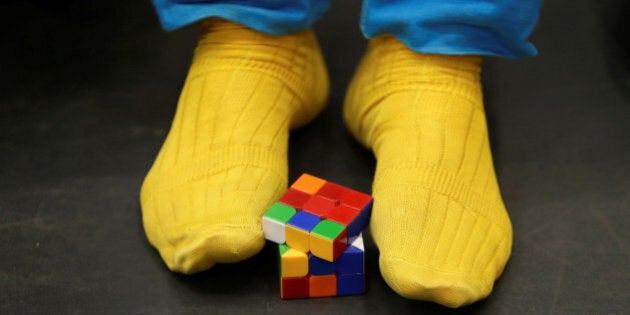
x,y
308,184
294,198
324,199
357,200
342,214
333,191
328,229
319,206
280,212
304,221
310,197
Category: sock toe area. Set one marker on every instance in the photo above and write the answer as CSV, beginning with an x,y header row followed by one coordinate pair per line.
x,y
197,225
425,283
218,244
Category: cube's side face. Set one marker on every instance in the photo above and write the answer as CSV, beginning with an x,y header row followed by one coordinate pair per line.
x,y
357,241
294,288
339,244
274,221
293,264
361,221
274,231
298,230
351,261
324,285
298,239
352,284
321,247
283,248
328,240
318,266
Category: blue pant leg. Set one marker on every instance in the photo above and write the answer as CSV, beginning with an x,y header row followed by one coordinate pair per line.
x,y
455,27
278,17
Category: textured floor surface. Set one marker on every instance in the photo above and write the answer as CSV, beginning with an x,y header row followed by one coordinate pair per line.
x,y
87,93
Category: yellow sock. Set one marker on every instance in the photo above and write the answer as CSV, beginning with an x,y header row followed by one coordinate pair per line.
x,y
225,158
438,219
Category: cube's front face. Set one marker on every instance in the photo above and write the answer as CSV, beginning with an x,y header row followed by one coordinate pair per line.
x,y
317,225
318,266
274,222
293,263
298,230
352,284
298,239
294,287
328,240
351,261
324,285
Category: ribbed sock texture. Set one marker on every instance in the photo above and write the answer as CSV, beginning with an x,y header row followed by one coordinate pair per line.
x,y
225,158
438,218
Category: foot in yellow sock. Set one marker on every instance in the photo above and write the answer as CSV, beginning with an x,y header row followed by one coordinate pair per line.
x,y
438,220
225,158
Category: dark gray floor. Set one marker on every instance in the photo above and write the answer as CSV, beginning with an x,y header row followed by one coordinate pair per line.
x,y
86,96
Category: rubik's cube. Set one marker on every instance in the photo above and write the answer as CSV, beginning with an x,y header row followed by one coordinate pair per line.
x,y
317,225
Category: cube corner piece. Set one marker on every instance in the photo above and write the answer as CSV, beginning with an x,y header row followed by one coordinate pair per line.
x,y
328,240
308,183
274,221
352,284
294,288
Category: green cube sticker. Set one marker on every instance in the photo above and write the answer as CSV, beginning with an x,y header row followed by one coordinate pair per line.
x,y
283,248
280,212
328,229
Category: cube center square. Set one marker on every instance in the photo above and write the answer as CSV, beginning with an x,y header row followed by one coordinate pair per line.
x,y
325,285
319,206
298,230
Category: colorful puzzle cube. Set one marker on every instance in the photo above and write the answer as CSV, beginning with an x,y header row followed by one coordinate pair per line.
x,y
318,225
304,275
333,204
